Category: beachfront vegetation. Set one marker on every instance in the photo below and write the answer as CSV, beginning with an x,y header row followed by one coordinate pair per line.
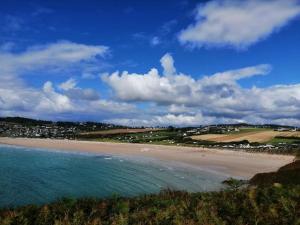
x,y
271,199
285,140
272,205
268,205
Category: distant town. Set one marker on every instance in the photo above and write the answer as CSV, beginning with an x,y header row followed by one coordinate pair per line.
x,y
266,138
30,128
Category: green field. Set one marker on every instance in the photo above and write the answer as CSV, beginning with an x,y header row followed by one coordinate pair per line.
x,y
153,137
251,129
278,140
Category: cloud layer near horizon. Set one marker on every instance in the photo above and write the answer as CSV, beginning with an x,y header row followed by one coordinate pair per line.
x,y
210,99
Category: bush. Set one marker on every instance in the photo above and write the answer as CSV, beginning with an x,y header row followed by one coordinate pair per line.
x,y
266,205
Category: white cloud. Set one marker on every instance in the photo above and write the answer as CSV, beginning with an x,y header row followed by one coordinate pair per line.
x,y
167,63
60,54
180,120
53,101
73,92
87,94
177,88
69,84
217,97
164,120
112,107
231,76
17,98
171,98
171,119
238,23
155,41
55,56
177,109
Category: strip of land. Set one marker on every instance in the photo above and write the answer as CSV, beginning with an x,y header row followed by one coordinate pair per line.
x,y
260,136
232,163
119,131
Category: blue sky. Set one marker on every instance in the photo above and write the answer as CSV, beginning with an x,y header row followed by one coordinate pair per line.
x,y
215,61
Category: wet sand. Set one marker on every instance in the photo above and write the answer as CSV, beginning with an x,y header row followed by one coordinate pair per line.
x,y
231,163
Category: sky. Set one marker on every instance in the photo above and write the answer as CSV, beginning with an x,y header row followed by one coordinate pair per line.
x,y
151,63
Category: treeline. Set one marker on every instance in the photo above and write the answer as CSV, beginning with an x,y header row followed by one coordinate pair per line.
x,y
24,121
80,125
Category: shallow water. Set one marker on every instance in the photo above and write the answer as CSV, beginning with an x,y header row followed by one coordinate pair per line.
x,y
39,176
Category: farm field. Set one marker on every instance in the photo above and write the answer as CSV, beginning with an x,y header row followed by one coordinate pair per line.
x,y
261,136
153,136
119,131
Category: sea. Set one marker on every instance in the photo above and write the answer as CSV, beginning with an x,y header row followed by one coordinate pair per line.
x,y
38,176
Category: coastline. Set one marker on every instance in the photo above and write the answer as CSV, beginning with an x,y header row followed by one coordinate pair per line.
x,y
232,163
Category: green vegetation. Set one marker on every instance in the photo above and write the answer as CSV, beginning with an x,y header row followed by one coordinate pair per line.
x,y
269,205
234,184
277,140
166,137
161,137
251,129
179,137
26,121
285,140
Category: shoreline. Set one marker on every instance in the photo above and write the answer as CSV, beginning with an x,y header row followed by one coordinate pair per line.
x,y
231,163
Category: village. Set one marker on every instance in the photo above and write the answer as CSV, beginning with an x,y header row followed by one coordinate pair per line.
x,y
22,127
262,138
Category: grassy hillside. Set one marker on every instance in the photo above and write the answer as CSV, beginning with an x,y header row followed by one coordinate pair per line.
x,y
269,205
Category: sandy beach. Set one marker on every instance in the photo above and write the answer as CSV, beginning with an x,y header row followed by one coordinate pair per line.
x,y
232,163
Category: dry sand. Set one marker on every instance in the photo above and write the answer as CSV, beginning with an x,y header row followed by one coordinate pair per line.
x,y
232,163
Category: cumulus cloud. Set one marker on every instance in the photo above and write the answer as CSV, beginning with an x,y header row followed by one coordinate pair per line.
x,y
168,97
72,91
167,63
237,23
164,120
218,96
178,120
53,101
69,84
178,88
17,98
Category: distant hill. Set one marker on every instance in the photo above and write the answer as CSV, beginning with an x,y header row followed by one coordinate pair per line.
x,y
33,122
23,121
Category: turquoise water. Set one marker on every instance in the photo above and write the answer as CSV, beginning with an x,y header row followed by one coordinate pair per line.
x,y
41,176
